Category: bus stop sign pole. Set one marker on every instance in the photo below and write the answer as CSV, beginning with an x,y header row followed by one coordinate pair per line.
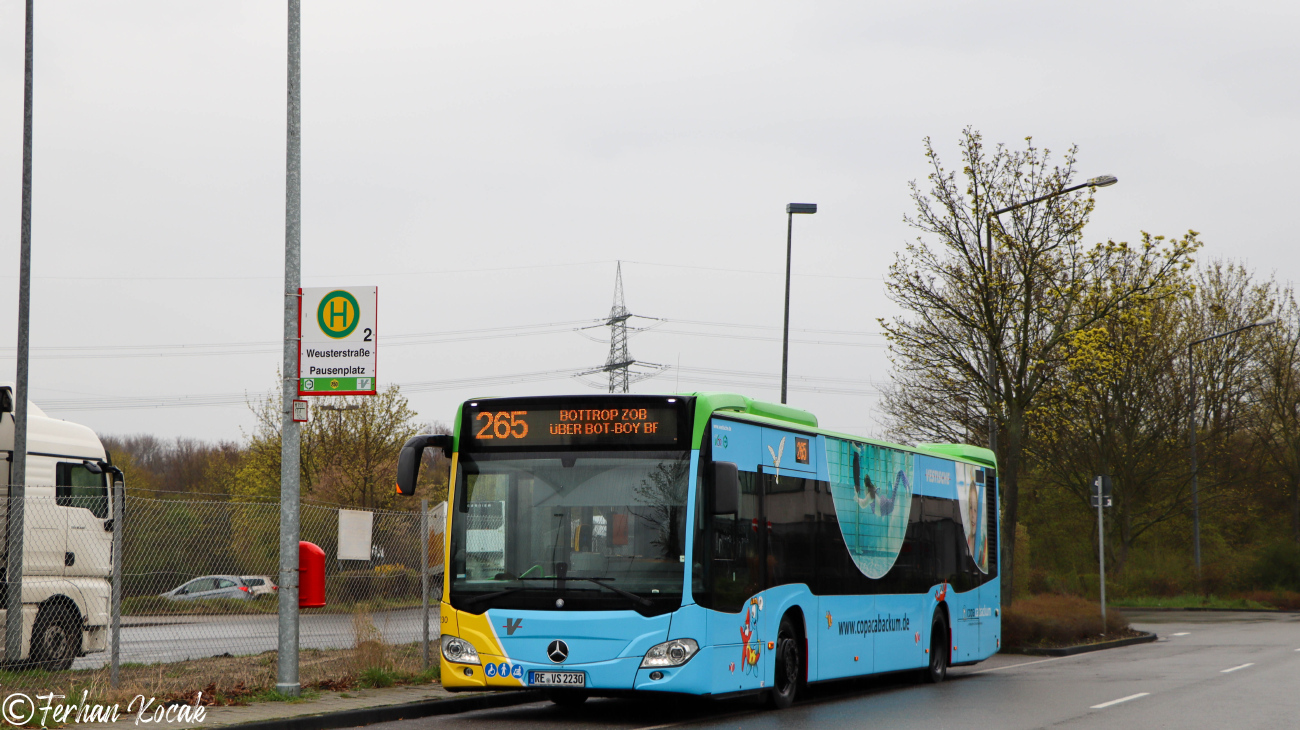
x,y
286,681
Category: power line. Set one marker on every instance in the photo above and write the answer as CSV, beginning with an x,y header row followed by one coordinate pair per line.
x,y
240,399
737,379
209,349
448,272
264,347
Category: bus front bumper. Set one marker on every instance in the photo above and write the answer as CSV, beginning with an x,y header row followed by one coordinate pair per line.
x,y
615,675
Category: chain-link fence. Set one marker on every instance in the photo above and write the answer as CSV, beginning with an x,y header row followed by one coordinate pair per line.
x,y
199,595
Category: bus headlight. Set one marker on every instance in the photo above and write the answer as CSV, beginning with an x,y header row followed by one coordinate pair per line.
x,y
670,653
459,651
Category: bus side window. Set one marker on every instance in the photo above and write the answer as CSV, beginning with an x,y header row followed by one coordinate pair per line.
x,y
76,486
791,529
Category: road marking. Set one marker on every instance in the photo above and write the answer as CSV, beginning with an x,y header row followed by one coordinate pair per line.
x,y
1122,699
1181,633
1025,664
1233,669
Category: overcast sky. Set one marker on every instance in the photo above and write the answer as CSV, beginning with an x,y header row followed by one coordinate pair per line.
x,y
485,164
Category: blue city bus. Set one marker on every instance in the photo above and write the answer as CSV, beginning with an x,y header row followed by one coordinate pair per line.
x,y
704,544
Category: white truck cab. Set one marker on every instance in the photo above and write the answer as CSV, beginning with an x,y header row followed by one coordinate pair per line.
x,y
67,537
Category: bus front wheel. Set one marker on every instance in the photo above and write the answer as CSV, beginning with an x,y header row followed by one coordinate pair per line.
x,y
937,671
786,673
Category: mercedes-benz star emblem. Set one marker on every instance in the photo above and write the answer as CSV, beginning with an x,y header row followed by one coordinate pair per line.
x,y
558,651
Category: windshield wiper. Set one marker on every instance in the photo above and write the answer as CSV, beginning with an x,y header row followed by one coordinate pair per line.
x,y
600,582
496,594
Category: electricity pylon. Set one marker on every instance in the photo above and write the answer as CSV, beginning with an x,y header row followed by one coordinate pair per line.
x,y
619,363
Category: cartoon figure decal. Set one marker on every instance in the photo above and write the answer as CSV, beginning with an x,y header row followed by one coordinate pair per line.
x,y
749,650
873,501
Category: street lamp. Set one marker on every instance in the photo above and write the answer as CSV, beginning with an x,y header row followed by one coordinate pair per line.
x,y
790,209
1191,421
1101,181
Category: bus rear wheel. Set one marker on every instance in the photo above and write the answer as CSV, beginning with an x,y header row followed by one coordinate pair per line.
x,y
788,666
937,670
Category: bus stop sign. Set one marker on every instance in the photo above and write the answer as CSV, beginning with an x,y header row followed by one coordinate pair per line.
x,y
337,341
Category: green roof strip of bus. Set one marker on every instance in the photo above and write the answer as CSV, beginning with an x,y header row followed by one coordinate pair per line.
x,y
707,403
966,452
455,427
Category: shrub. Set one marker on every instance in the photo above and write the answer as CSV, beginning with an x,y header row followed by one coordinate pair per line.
x,y
1056,620
1278,567
1285,600
377,677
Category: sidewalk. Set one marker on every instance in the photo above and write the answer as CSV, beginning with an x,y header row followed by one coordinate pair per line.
x,y
306,714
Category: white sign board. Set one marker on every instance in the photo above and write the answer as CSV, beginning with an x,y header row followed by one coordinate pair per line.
x,y
355,527
338,341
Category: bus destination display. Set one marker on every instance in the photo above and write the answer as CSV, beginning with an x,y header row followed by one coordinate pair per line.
x,y
501,425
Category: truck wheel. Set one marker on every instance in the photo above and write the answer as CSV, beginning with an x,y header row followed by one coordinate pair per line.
x,y
56,637
937,671
788,665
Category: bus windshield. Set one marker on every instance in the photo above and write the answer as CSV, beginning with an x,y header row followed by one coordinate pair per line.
x,y
571,530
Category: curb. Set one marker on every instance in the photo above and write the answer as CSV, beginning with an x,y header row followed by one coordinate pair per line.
x,y
1146,638
389,713
1202,608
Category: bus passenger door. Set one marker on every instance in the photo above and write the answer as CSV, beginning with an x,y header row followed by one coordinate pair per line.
x,y
735,623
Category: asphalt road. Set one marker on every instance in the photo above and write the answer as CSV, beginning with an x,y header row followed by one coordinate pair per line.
x,y
1208,670
148,640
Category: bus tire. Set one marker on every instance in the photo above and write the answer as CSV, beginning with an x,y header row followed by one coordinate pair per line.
x,y
56,637
937,670
787,666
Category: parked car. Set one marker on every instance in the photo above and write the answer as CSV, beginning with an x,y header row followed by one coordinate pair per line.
x,y
211,586
260,585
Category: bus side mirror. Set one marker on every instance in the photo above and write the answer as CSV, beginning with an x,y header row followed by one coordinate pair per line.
x,y
726,488
408,461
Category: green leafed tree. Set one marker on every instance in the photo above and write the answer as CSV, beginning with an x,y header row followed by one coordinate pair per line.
x,y
1042,284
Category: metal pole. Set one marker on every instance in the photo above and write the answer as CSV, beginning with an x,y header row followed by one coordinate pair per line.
x,y
290,456
1196,497
992,373
1101,550
18,466
115,602
785,331
424,582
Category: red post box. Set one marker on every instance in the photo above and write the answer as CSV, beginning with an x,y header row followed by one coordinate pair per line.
x,y
311,576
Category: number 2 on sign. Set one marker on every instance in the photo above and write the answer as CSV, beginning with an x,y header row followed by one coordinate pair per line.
x,y
501,425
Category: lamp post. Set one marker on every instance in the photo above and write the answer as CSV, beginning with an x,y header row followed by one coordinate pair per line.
x,y
1101,181
790,210
1191,428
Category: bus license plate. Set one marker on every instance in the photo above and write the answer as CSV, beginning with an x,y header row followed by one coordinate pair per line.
x,y
557,679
